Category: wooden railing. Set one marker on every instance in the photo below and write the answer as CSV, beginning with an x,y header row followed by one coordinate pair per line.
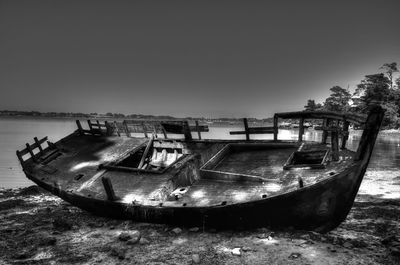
x,y
128,127
37,152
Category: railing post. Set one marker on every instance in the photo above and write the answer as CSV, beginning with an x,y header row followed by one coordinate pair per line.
x,y
246,129
345,135
78,123
198,129
301,129
324,132
38,145
276,128
335,145
186,131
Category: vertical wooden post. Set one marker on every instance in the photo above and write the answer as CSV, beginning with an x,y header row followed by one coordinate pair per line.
x,y
335,145
301,129
146,151
109,189
324,132
246,129
38,145
21,160
276,128
144,130
109,129
198,129
89,124
186,131
345,135
78,123
29,148
163,131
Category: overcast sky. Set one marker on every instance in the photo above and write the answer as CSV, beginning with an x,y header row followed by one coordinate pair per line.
x,y
189,58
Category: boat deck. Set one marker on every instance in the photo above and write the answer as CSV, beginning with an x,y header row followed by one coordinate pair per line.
x,y
77,171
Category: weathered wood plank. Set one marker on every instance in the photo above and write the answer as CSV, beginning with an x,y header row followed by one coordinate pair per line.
x,y
353,118
301,129
335,145
109,189
246,128
255,130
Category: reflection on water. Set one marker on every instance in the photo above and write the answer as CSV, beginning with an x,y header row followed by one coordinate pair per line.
x,y
14,133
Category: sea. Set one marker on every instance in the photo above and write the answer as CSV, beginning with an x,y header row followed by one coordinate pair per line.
x,y
16,132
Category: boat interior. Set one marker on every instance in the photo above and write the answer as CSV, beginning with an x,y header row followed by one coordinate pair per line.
x,y
168,164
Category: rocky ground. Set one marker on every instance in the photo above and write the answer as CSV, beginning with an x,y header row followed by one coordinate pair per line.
x,y
38,228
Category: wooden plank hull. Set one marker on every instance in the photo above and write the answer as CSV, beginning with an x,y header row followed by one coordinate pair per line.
x,y
320,207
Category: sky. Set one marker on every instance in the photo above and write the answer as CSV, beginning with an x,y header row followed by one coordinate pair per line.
x,y
189,58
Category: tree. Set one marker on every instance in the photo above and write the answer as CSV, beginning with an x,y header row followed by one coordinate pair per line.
x,y
311,105
390,68
338,100
374,87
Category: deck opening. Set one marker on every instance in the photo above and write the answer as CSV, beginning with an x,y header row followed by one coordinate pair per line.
x,y
264,196
156,156
223,203
311,159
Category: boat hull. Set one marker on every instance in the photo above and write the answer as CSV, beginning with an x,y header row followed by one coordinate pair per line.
x,y
320,207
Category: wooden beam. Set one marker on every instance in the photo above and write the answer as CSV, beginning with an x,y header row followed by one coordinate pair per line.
x,y
345,135
301,129
246,128
38,145
186,131
29,148
325,133
146,151
109,189
255,130
198,129
78,123
276,128
335,146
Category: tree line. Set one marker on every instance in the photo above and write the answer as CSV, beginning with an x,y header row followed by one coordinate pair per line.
x,y
383,87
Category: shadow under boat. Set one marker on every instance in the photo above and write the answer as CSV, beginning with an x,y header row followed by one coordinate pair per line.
x,y
208,183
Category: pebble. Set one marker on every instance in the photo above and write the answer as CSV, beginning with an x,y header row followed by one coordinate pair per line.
x,y
177,230
294,255
143,241
196,258
236,252
131,236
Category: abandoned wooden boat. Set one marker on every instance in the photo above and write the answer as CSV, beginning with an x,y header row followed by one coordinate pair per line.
x,y
107,168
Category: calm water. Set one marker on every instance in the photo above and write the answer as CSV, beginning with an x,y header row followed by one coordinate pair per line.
x,y
14,133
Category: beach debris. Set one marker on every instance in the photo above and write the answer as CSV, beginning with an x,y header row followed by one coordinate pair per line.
x,y
132,237
236,252
294,255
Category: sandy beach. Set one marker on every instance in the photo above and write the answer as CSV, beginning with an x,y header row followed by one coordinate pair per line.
x,y
39,228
